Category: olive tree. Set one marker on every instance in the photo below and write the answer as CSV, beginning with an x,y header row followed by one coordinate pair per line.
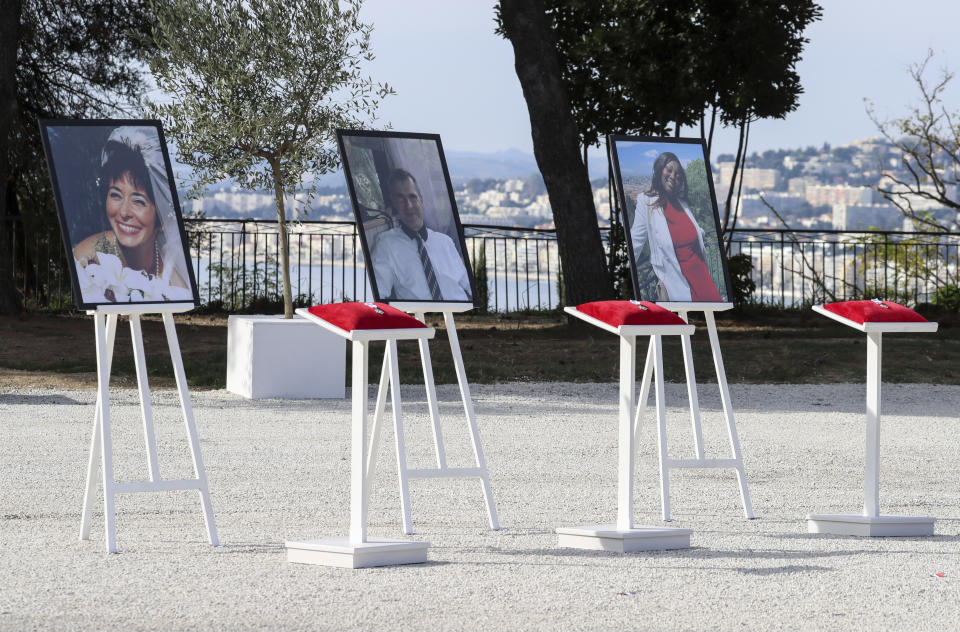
x,y
256,90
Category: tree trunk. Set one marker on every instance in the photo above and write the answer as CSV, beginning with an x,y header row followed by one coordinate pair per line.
x,y
556,146
733,178
728,236
284,243
9,40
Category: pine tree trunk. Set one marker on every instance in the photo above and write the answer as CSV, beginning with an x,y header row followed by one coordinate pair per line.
x,y
284,243
556,146
9,40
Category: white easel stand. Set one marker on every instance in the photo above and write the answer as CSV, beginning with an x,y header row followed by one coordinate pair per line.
x,y
358,550
479,471
871,523
101,446
624,536
699,461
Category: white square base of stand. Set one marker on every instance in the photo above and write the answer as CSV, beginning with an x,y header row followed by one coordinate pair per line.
x,y
852,524
271,356
374,552
607,537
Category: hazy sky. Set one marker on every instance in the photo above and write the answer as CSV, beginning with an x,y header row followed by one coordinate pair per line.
x,y
455,77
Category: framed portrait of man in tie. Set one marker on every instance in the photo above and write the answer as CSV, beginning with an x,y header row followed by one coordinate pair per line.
x,y
406,214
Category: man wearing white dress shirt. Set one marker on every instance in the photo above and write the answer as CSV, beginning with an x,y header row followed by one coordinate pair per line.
x,y
411,261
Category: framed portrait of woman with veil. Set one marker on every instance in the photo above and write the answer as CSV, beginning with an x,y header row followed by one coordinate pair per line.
x,y
668,207
119,212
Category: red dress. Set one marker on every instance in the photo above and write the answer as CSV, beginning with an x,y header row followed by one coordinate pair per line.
x,y
687,246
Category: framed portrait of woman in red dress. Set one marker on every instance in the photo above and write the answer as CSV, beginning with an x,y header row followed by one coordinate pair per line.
x,y
668,208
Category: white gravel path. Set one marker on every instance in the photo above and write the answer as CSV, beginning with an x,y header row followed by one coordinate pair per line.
x,y
279,470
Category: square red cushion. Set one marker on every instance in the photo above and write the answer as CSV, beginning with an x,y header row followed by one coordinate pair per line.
x,y
353,316
618,313
874,311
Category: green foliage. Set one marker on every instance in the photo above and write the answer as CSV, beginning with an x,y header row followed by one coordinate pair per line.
x,y
701,205
482,299
618,258
627,66
741,278
74,60
249,289
948,297
903,270
257,90
698,192
236,285
561,289
747,51
647,67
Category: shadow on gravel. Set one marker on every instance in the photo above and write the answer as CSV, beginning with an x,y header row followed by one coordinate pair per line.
x,y
14,398
854,538
793,568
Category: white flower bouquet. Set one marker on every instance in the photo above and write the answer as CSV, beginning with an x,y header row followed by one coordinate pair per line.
x,y
108,281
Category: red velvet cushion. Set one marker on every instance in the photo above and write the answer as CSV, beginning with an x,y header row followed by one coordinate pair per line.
x,y
874,312
618,313
352,316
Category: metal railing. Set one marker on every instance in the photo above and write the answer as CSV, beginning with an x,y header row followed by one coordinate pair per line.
x,y
797,267
236,264
236,261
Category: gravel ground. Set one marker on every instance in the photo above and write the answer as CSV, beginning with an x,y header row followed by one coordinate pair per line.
x,y
279,470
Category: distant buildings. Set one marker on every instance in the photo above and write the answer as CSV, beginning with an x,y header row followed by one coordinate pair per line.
x,y
864,216
815,188
819,195
753,179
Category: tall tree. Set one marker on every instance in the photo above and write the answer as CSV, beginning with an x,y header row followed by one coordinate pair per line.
x,y
9,25
628,66
258,88
928,139
651,67
747,70
556,146
74,59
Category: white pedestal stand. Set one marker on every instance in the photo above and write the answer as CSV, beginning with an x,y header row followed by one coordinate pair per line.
x,y
358,550
479,471
272,356
870,522
624,536
699,461
101,446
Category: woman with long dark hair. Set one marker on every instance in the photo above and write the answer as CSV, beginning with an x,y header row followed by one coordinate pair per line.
x,y
143,233
665,223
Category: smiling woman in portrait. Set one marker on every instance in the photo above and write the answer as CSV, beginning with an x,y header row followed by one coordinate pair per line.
x,y
140,256
664,222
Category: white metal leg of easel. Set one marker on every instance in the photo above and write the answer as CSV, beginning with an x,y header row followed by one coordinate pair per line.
x,y
871,523
101,445
624,536
698,460
443,470
358,550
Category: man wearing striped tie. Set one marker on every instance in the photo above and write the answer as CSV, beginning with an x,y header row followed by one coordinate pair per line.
x,y
413,262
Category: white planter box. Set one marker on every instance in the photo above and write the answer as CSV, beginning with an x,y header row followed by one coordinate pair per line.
x,y
271,356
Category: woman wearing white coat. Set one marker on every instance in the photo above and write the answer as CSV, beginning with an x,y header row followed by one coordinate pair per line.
x,y
663,222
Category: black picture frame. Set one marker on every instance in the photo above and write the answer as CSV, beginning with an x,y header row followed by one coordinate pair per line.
x,y
641,268
373,210
74,180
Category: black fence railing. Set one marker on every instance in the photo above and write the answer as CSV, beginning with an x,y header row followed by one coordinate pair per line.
x,y
796,267
236,263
